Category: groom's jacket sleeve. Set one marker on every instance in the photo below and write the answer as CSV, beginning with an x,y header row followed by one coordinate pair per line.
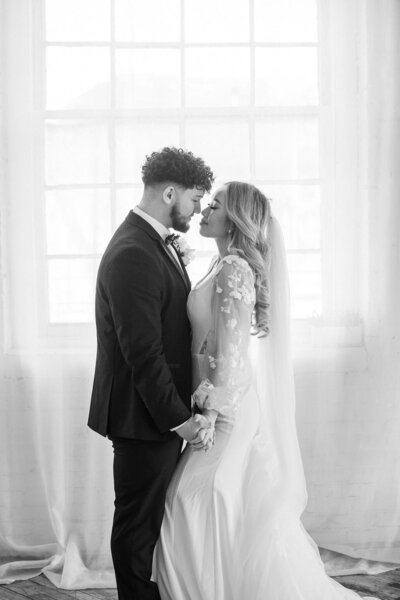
x,y
135,294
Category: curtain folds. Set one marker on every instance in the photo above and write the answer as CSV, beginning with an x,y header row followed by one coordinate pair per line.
x,y
56,498
357,412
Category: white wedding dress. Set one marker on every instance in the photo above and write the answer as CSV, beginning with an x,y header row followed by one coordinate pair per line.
x,y
232,529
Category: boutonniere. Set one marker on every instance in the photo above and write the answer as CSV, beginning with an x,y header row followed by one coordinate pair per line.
x,y
185,252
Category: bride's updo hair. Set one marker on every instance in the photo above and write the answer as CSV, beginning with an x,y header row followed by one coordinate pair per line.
x,y
249,214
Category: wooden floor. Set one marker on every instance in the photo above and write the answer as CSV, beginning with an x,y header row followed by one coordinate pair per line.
x,y
385,587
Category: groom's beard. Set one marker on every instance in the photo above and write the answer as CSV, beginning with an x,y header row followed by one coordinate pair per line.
x,y
179,222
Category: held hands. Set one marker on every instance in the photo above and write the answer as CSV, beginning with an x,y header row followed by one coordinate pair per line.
x,y
205,437
198,431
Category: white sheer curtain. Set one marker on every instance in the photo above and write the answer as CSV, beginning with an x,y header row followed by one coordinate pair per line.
x,y
348,415
56,480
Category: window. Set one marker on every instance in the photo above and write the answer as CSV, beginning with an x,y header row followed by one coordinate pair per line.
x,y
233,81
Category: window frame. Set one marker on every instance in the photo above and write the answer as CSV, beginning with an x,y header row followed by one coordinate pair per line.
x,y
27,24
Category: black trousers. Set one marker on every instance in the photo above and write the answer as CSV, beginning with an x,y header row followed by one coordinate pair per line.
x,y
142,472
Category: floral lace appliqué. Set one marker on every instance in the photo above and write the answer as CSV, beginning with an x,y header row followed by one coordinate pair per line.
x,y
228,365
212,362
240,280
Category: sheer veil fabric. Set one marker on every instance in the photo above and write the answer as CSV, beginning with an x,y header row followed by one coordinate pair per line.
x,y
277,442
273,376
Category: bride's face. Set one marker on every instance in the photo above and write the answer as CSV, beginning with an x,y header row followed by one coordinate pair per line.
x,y
214,223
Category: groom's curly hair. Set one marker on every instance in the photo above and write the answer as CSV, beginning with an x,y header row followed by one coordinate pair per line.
x,y
179,166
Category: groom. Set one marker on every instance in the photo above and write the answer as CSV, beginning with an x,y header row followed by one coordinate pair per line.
x,y
141,395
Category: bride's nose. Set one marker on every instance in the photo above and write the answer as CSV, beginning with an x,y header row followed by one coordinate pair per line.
x,y
206,211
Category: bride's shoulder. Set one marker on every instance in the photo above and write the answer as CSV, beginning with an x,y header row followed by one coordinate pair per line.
x,y
233,269
234,280
234,262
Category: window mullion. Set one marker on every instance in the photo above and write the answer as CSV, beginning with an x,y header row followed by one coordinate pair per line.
x,y
111,121
252,114
182,114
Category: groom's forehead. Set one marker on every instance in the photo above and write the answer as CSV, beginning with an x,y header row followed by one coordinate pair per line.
x,y
196,193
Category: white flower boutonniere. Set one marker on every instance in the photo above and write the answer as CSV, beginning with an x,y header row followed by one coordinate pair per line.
x,y
185,252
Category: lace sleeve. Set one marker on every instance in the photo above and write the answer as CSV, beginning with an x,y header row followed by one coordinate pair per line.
x,y
225,347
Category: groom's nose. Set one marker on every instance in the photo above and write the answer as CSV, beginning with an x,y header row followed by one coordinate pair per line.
x,y
197,207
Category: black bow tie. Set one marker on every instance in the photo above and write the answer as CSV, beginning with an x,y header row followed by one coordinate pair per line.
x,y
172,238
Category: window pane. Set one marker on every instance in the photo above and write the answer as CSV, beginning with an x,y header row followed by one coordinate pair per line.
x,y
78,221
76,152
126,199
78,78
147,20
286,76
223,144
297,208
148,78
217,21
305,284
285,21
135,140
287,148
77,20
72,284
217,76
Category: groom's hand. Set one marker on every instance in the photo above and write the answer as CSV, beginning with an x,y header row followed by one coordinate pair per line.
x,y
204,439
192,429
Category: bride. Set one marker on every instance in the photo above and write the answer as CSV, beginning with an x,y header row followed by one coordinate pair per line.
x,y
232,526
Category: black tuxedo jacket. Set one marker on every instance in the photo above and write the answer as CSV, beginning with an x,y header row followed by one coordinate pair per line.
x,y
142,381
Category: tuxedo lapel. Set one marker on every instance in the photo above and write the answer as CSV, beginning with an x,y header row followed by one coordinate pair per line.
x,y
188,282
181,271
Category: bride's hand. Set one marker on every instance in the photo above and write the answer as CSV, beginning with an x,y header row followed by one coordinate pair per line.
x,y
205,436
204,439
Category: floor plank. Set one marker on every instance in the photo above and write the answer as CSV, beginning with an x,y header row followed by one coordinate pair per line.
x,y
88,594
385,586
104,594
6,594
42,580
34,591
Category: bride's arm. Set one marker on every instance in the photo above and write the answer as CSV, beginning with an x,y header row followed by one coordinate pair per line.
x,y
226,345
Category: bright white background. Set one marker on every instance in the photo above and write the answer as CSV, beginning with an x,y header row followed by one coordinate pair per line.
x,y
300,97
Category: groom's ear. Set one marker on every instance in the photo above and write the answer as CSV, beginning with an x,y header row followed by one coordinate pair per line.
x,y
169,195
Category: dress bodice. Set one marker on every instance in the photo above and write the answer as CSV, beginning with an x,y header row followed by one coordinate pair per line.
x,y
199,306
200,312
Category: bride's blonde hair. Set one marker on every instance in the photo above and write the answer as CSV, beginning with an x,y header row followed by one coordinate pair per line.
x,y
249,214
